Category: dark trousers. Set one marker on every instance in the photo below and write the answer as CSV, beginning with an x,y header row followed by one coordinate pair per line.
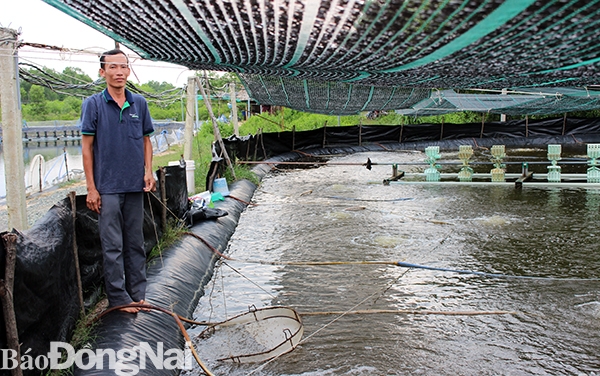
x,y
120,224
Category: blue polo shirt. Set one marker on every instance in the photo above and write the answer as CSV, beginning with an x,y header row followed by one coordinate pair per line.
x,y
118,140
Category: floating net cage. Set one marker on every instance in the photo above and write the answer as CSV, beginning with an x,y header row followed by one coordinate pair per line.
x,y
254,336
341,57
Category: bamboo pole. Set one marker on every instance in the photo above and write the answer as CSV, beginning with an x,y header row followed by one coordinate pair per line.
x,y
359,134
163,198
442,130
482,124
8,306
66,163
76,254
216,130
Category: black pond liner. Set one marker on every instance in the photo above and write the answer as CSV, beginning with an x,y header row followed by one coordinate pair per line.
x,y
177,280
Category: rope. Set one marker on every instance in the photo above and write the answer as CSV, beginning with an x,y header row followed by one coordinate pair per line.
x,y
393,263
405,265
410,312
166,207
249,280
342,314
177,319
370,200
153,220
213,249
415,266
491,275
242,201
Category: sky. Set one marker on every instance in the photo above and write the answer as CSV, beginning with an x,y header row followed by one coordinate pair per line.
x,y
44,24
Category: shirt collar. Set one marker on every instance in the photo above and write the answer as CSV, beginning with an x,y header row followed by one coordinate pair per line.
x,y
107,97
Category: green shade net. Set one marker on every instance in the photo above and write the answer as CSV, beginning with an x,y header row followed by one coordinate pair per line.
x,y
542,101
348,56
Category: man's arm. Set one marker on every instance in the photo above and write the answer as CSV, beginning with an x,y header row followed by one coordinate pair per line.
x,y
148,175
87,150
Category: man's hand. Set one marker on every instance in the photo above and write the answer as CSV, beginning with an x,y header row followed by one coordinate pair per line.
x,y
150,182
93,200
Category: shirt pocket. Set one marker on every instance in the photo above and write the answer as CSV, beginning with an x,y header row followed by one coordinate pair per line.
x,y
135,129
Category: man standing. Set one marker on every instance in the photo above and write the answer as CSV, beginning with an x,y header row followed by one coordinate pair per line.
x,y
117,160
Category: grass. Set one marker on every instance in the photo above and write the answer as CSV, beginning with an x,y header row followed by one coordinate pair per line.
x,y
171,234
202,157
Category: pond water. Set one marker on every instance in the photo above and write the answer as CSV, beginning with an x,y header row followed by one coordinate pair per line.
x,y
53,154
344,213
55,166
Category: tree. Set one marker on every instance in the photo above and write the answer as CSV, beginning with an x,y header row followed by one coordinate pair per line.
x,y
37,98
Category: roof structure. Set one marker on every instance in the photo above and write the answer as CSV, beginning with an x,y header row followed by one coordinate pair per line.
x,y
344,56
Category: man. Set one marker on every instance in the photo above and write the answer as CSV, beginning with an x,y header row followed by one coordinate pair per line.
x,y
117,160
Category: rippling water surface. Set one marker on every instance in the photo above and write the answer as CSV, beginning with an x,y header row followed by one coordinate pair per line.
x,y
344,213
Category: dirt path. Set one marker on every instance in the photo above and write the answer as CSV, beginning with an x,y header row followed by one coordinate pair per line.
x,y
39,203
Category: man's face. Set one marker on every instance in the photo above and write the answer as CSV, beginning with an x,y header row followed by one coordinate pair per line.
x,y
115,71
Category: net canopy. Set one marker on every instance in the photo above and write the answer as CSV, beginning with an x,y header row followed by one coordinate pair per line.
x,y
344,56
527,101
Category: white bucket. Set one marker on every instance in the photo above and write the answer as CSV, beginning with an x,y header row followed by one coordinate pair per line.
x,y
190,167
220,186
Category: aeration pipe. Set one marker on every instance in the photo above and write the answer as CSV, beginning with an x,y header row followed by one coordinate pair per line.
x,y
369,163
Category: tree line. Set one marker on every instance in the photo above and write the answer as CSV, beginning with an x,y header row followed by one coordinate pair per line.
x,y
42,101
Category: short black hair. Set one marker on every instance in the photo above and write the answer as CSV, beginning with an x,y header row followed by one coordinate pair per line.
x,y
116,51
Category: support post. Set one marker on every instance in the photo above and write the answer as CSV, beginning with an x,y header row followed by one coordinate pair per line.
x,y
6,294
163,197
72,195
14,167
503,116
234,117
564,123
216,130
190,109
482,124
360,135
66,163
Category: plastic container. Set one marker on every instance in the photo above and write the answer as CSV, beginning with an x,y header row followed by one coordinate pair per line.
x,y
220,186
190,167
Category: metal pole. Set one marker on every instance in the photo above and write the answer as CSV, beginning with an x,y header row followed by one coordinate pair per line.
x,y
12,131
234,114
503,116
189,118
